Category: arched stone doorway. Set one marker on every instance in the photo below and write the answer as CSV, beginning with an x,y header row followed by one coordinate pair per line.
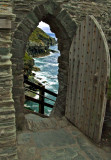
x,y
64,27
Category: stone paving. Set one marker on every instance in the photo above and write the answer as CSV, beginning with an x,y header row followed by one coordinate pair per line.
x,y
56,139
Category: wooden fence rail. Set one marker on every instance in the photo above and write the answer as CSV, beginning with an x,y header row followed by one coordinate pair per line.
x,y
41,101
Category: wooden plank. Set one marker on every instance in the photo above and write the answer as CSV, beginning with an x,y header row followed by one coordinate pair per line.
x,y
89,70
75,76
81,79
88,73
41,99
38,101
5,24
103,80
78,102
96,83
39,87
32,90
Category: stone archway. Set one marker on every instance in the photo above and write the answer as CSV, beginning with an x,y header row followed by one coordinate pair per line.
x,y
64,28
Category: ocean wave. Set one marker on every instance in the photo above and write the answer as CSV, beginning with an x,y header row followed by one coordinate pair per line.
x,y
47,76
37,96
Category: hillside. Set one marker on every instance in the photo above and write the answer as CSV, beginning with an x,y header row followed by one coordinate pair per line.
x,y
37,46
41,38
39,43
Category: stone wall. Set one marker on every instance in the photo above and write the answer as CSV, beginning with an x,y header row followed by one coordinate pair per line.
x,y
7,111
63,16
77,9
64,27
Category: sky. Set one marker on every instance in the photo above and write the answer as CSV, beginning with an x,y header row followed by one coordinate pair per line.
x,y
45,27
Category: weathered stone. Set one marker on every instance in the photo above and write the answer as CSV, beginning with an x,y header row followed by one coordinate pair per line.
x,y
19,46
21,36
56,143
63,16
51,8
67,22
7,111
5,24
38,12
33,18
22,27
4,50
67,16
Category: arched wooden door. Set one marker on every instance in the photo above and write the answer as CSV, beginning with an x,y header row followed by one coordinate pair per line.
x,y
89,69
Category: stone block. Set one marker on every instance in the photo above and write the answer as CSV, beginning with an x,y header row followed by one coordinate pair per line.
x,y
20,119
42,10
18,91
6,57
17,66
30,25
18,81
18,48
4,51
17,53
69,24
63,65
33,18
62,14
7,119
24,28
38,13
18,43
7,152
31,21
52,8
5,24
21,36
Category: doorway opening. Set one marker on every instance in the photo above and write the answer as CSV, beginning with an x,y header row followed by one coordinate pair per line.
x,y
64,27
41,68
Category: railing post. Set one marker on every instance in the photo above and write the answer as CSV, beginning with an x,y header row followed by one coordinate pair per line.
x,y
41,98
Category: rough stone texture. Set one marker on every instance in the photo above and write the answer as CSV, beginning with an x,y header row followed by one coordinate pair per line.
x,y
64,27
7,111
56,139
63,16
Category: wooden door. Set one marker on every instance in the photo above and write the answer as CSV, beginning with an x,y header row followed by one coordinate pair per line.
x,y
89,69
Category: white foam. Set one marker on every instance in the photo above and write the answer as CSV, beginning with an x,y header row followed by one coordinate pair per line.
x,y
36,97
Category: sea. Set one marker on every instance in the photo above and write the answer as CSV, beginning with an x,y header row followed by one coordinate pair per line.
x,y
48,76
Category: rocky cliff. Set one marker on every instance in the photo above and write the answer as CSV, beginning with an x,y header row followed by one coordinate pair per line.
x,y
39,43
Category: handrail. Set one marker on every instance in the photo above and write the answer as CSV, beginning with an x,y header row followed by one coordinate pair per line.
x,y
42,91
38,94
40,87
38,101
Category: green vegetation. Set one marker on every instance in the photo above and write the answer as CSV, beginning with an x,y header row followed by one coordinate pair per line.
x,y
41,38
28,64
39,42
38,45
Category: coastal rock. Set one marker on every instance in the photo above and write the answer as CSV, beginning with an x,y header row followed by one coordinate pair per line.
x,y
39,43
36,69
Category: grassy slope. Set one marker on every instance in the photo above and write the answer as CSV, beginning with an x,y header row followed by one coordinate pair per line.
x,y
40,37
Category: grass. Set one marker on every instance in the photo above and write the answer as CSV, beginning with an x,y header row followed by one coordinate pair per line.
x,y
39,36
